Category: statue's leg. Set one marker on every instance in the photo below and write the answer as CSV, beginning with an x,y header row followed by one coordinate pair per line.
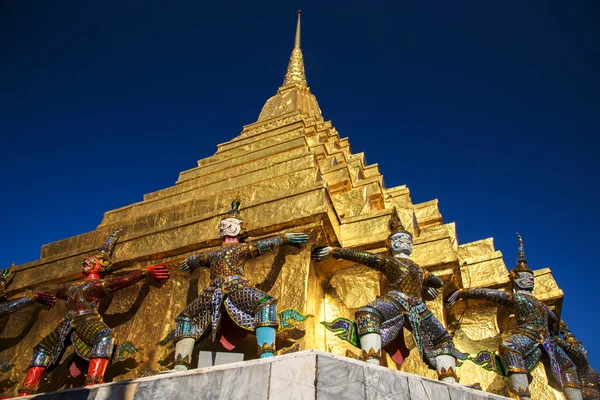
x,y
190,325
266,328
368,321
102,348
570,379
32,379
511,353
41,359
253,309
442,347
184,345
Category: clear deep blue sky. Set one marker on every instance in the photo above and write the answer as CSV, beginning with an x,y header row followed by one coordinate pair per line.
x,y
491,107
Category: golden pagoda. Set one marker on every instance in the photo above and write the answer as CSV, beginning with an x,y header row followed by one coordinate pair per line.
x,y
293,171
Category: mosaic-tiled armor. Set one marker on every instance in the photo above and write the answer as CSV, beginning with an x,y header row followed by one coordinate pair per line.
x,y
83,326
590,378
380,323
10,306
522,350
248,307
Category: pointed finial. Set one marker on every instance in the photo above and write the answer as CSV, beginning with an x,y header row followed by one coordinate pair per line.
x,y
295,72
521,256
297,42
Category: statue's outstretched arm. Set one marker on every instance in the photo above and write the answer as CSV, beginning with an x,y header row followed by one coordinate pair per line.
x,y
492,295
15,305
394,270
264,246
114,284
371,260
195,261
46,299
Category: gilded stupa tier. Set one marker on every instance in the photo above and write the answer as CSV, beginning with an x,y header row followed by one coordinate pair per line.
x,y
293,171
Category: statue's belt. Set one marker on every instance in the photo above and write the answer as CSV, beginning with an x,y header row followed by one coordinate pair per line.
x,y
415,310
76,318
408,304
229,283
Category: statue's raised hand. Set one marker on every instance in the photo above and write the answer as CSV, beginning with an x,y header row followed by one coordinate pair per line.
x,y
158,272
46,299
321,253
296,238
452,299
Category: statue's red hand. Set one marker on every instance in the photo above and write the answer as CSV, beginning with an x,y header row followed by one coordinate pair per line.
x,y
46,299
158,272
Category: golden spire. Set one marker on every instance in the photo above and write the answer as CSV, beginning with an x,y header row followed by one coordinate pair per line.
x,y
297,42
295,72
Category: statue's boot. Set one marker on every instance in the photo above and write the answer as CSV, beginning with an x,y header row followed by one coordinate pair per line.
x,y
266,328
519,385
32,379
95,374
371,345
265,338
183,355
446,368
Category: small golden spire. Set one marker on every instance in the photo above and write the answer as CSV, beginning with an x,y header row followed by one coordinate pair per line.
x,y
295,72
297,43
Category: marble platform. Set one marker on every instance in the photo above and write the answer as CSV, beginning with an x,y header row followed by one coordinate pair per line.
x,y
213,358
304,375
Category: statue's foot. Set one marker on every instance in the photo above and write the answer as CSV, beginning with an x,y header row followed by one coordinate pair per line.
x,y
476,386
521,394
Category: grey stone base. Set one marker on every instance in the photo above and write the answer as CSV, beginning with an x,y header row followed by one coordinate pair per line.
x,y
304,375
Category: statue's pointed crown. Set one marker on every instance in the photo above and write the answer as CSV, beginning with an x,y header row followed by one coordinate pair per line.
x,y
521,259
107,249
235,209
395,224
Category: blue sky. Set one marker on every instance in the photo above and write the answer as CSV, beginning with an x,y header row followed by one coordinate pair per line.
x,y
490,107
